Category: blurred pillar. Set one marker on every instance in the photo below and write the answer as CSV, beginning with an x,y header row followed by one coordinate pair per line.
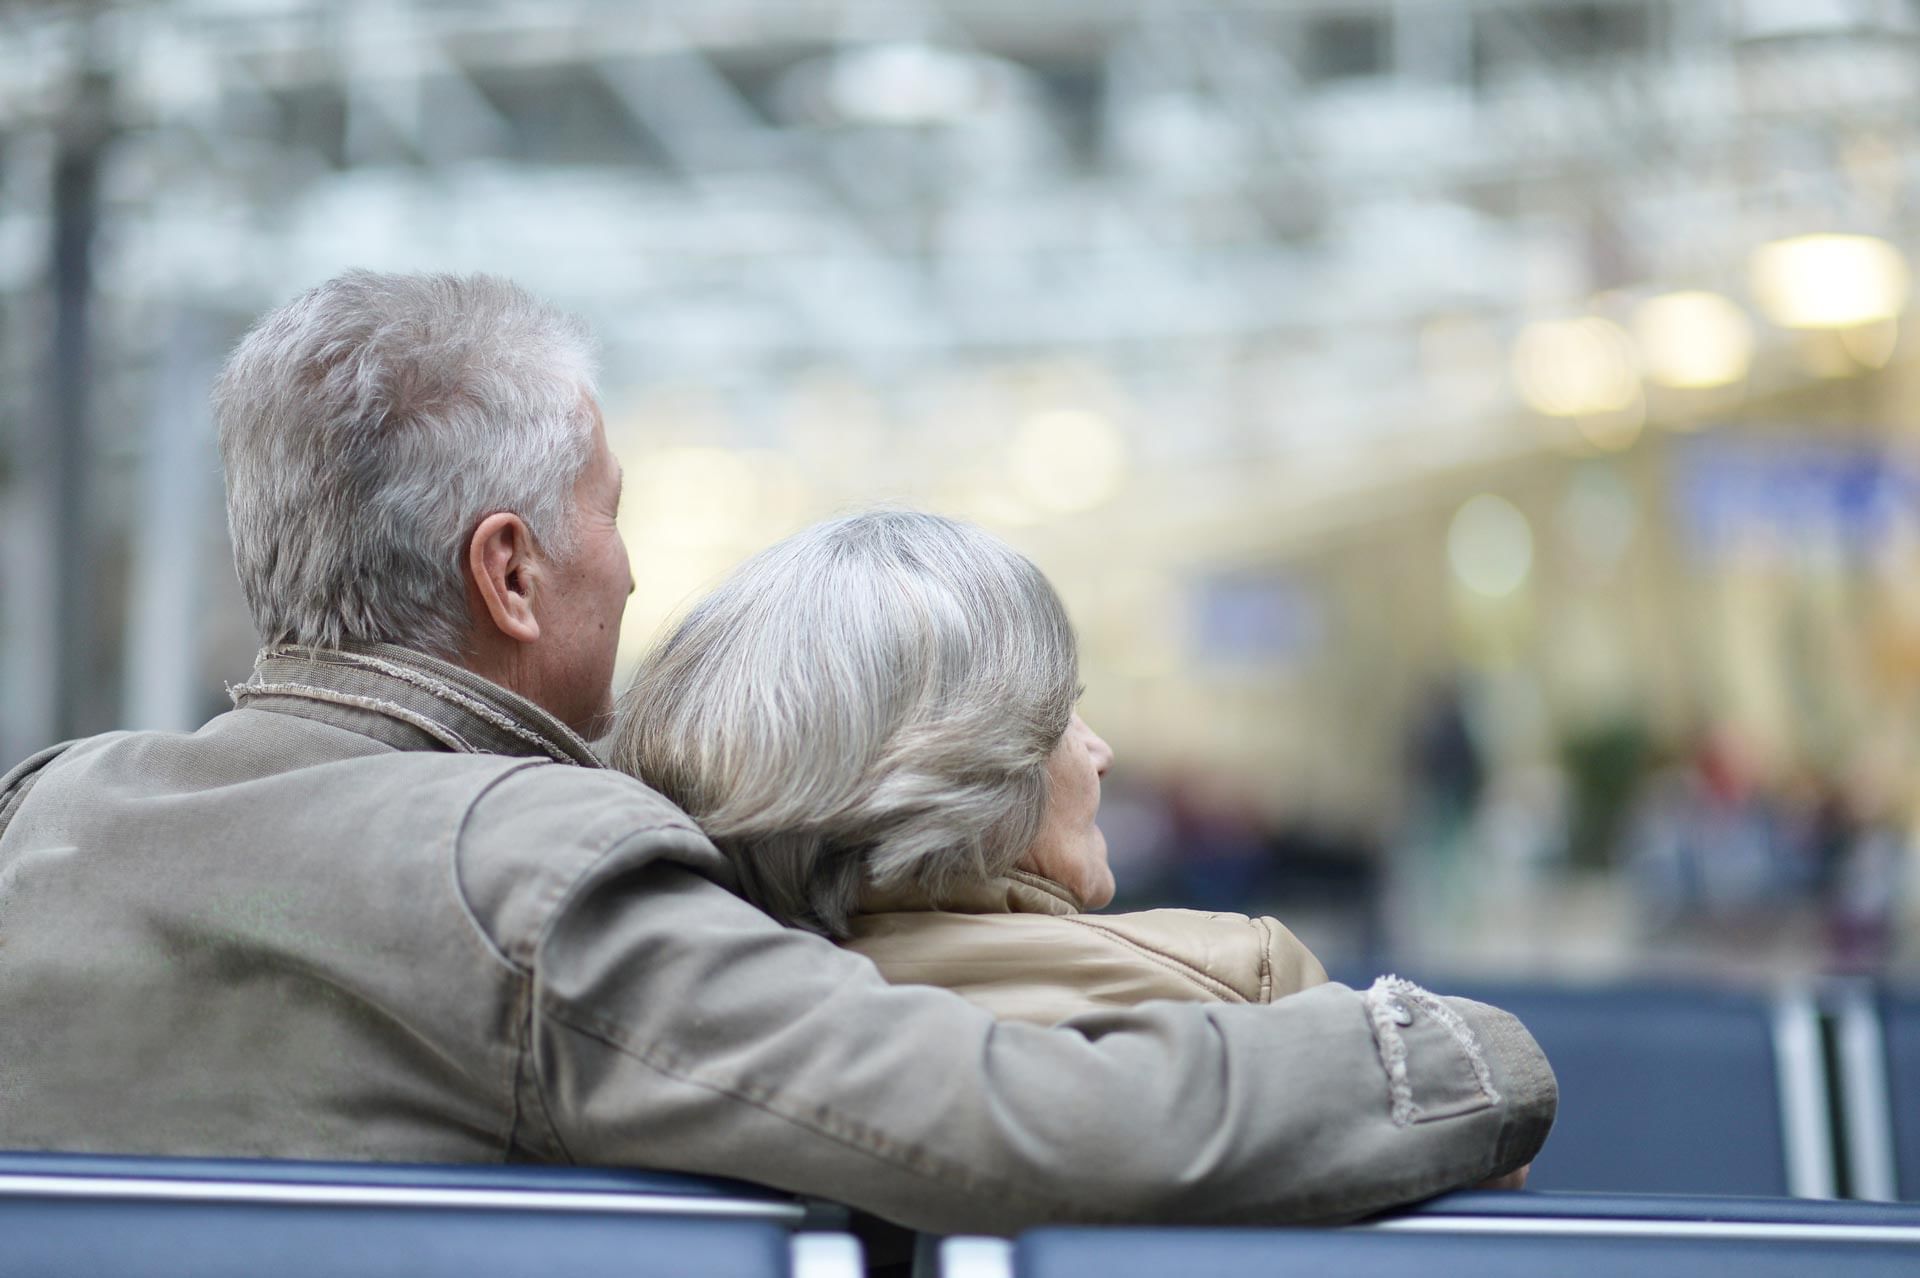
x,y
28,629
169,546
51,636
76,206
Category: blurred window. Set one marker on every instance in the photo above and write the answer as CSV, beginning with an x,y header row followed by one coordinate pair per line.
x,y
1347,47
562,113
1513,38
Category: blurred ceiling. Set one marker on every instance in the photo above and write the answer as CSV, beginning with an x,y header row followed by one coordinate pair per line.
x,y
1256,267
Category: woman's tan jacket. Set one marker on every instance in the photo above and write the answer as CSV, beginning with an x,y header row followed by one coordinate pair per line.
x,y
1020,947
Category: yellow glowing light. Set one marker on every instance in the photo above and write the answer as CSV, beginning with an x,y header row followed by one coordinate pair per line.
x,y
1065,461
1829,281
1576,367
1693,340
1490,546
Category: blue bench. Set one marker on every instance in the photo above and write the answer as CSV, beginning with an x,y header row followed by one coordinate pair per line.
x,y
1900,1015
121,1217
1670,1215
1226,1253
1478,1233
1679,1091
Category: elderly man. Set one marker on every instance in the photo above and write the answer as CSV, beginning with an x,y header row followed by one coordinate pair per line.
x,y
390,907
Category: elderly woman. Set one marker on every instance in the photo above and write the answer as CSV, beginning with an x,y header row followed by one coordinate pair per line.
x,y
874,719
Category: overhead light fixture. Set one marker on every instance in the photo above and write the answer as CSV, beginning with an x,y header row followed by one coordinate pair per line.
x,y
1693,340
1830,281
1576,367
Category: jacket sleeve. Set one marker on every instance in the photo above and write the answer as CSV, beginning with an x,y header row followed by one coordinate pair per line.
x,y
674,1026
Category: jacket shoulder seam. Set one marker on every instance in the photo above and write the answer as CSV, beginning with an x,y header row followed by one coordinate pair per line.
x,y
1264,927
453,866
566,886
576,882
1212,985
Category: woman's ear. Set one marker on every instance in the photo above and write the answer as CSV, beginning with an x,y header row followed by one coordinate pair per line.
x,y
500,567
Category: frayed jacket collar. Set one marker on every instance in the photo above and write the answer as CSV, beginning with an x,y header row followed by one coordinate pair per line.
x,y
408,700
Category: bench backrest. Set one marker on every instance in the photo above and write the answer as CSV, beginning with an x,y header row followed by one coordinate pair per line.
x,y
1193,1253
115,1217
1679,1091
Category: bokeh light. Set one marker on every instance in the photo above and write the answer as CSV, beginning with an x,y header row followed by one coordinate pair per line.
x,y
1598,515
1490,546
1615,431
1693,340
1829,281
1067,461
1576,367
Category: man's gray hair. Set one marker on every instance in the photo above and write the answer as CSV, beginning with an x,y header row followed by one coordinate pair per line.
x,y
872,700
368,426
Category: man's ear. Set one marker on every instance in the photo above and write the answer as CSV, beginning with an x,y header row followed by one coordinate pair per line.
x,y
500,561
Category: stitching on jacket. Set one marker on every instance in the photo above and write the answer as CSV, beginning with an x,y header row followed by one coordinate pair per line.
x,y
567,889
527,1059
476,936
1462,1034
453,865
539,1078
1260,925
1041,883
1393,1054
444,735
517,1064
1379,1000
1211,984
562,885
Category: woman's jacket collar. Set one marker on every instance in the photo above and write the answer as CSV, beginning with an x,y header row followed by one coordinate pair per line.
x,y
1015,892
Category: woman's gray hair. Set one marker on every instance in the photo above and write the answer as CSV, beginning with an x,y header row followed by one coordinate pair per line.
x,y
872,700
370,424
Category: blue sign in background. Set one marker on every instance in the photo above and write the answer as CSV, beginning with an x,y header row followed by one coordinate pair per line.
x,y
1788,494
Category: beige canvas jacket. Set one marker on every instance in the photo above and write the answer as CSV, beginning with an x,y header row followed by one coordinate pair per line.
x,y
1021,947
385,910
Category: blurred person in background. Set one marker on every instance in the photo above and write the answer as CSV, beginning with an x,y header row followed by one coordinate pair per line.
x,y
875,720
391,906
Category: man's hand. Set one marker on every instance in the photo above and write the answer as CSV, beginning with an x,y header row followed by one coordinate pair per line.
x,y
1512,1180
